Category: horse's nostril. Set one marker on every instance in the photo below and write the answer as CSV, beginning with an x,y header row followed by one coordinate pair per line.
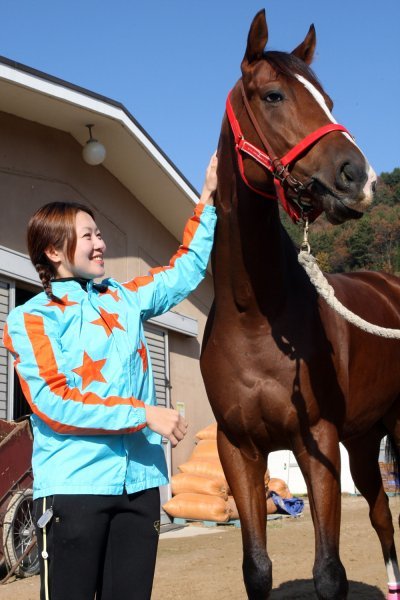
x,y
373,187
348,172
351,176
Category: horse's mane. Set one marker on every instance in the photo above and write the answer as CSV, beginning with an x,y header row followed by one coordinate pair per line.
x,y
289,65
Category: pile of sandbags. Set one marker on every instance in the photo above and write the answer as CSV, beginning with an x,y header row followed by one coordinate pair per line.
x,y
201,492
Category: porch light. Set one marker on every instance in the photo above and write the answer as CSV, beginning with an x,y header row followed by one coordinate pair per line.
x,y
93,152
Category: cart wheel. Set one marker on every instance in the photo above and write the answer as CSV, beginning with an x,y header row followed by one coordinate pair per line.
x,y
18,531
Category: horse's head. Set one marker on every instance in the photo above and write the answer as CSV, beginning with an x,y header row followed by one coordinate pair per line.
x,y
279,102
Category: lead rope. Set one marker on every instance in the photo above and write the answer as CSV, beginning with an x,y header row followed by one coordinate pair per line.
x,y
326,291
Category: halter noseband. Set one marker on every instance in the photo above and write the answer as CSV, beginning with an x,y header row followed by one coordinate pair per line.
x,y
279,167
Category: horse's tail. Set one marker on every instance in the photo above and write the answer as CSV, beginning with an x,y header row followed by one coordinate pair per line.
x,y
392,458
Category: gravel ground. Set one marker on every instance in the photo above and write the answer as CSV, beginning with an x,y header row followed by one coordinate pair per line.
x,y
206,567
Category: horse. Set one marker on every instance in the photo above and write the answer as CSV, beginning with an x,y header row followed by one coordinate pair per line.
x,y
281,369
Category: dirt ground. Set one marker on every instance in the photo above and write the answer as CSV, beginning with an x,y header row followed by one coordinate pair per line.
x,y
205,567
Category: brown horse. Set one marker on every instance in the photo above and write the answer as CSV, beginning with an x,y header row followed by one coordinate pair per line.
x,y
282,370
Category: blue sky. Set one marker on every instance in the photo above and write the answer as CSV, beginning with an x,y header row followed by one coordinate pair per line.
x,y
171,63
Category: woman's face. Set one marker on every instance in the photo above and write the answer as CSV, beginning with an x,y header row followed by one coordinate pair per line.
x,y
89,252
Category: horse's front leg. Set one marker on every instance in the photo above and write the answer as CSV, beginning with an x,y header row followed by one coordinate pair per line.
x,y
319,459
245,472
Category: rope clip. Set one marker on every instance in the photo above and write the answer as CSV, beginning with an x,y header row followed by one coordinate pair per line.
x,y
305,246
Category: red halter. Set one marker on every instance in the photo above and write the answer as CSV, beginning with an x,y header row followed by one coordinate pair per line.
x,y
278,167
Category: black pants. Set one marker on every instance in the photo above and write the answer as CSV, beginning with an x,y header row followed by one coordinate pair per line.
x,y
101,547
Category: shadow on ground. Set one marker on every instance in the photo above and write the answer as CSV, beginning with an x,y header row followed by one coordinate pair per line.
x,y
303,589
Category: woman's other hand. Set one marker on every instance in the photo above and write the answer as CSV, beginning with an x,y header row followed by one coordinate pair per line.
x,y
167,422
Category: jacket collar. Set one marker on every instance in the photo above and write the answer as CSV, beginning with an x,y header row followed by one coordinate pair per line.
x,y
73,283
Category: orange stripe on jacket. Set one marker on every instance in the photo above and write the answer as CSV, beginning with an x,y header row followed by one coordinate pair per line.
x,y
7,341
188,235
57,381
60,427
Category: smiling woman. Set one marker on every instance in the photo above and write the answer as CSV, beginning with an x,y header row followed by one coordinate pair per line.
x,y
86,247
83,364
61,242
89,250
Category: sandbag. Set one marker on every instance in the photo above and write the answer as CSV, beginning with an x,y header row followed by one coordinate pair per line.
x,y
267,477
211,469
233,511
182,483
271,506
280,487
208,433
198,506
204,450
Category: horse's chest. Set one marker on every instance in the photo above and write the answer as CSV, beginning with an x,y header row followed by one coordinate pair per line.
x,y
260,378
247,357
253,381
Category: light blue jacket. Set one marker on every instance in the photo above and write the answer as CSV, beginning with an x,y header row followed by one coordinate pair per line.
x,y
86,373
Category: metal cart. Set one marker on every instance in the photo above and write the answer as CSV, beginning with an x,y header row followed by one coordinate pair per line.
x,y
18,549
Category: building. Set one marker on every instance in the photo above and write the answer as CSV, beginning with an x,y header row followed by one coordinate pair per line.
x,y
141,201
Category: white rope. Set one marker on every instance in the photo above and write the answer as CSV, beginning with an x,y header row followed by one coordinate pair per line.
x,y
317,278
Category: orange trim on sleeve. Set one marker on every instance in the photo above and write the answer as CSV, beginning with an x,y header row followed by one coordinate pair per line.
x,y
66,429
138,282
7,341
188,235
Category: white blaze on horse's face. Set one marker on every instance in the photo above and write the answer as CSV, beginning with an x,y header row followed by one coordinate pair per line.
x,y
371,175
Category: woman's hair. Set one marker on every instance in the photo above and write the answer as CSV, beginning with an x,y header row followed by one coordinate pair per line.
x,y
53,225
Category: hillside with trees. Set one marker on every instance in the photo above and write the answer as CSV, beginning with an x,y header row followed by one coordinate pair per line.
x,y
372,242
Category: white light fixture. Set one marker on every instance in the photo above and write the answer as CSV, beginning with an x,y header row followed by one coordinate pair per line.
x,y
93,152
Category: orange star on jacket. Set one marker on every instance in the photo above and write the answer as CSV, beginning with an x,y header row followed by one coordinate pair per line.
x,y
114,294
90,370
109,321
63,304
143,355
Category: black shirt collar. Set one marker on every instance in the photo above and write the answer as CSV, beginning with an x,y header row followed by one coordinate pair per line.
x,y
100,287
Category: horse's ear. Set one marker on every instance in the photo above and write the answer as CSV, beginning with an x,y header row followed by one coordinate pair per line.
x,y
306,49
257,39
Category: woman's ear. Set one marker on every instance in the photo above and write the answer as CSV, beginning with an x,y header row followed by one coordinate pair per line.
x,y
53,255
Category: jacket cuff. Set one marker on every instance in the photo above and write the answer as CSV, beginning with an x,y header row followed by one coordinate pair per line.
x,y
140,413
204,208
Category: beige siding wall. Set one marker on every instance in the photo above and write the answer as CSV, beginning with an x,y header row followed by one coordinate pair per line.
x,y
39,164
190,390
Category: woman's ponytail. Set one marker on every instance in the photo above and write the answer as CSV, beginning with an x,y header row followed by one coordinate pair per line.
x,y
46,275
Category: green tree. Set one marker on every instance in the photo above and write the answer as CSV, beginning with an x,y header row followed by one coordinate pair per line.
x,y
359,245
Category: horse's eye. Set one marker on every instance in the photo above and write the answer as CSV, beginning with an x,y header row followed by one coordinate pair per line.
x,y
273,97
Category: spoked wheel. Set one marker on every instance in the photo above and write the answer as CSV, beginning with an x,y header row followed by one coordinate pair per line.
x,y
18,532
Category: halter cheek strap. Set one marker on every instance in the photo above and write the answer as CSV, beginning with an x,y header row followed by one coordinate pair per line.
x,y
279,168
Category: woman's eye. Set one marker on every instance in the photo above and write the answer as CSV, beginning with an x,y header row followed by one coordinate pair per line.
x,y
273,97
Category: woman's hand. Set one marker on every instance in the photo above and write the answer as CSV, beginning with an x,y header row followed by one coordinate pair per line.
x,y
167,422
210,182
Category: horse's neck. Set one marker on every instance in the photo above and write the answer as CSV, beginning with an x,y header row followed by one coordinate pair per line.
x,y
252,257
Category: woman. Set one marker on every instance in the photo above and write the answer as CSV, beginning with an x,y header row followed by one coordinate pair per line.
x,y
81,357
